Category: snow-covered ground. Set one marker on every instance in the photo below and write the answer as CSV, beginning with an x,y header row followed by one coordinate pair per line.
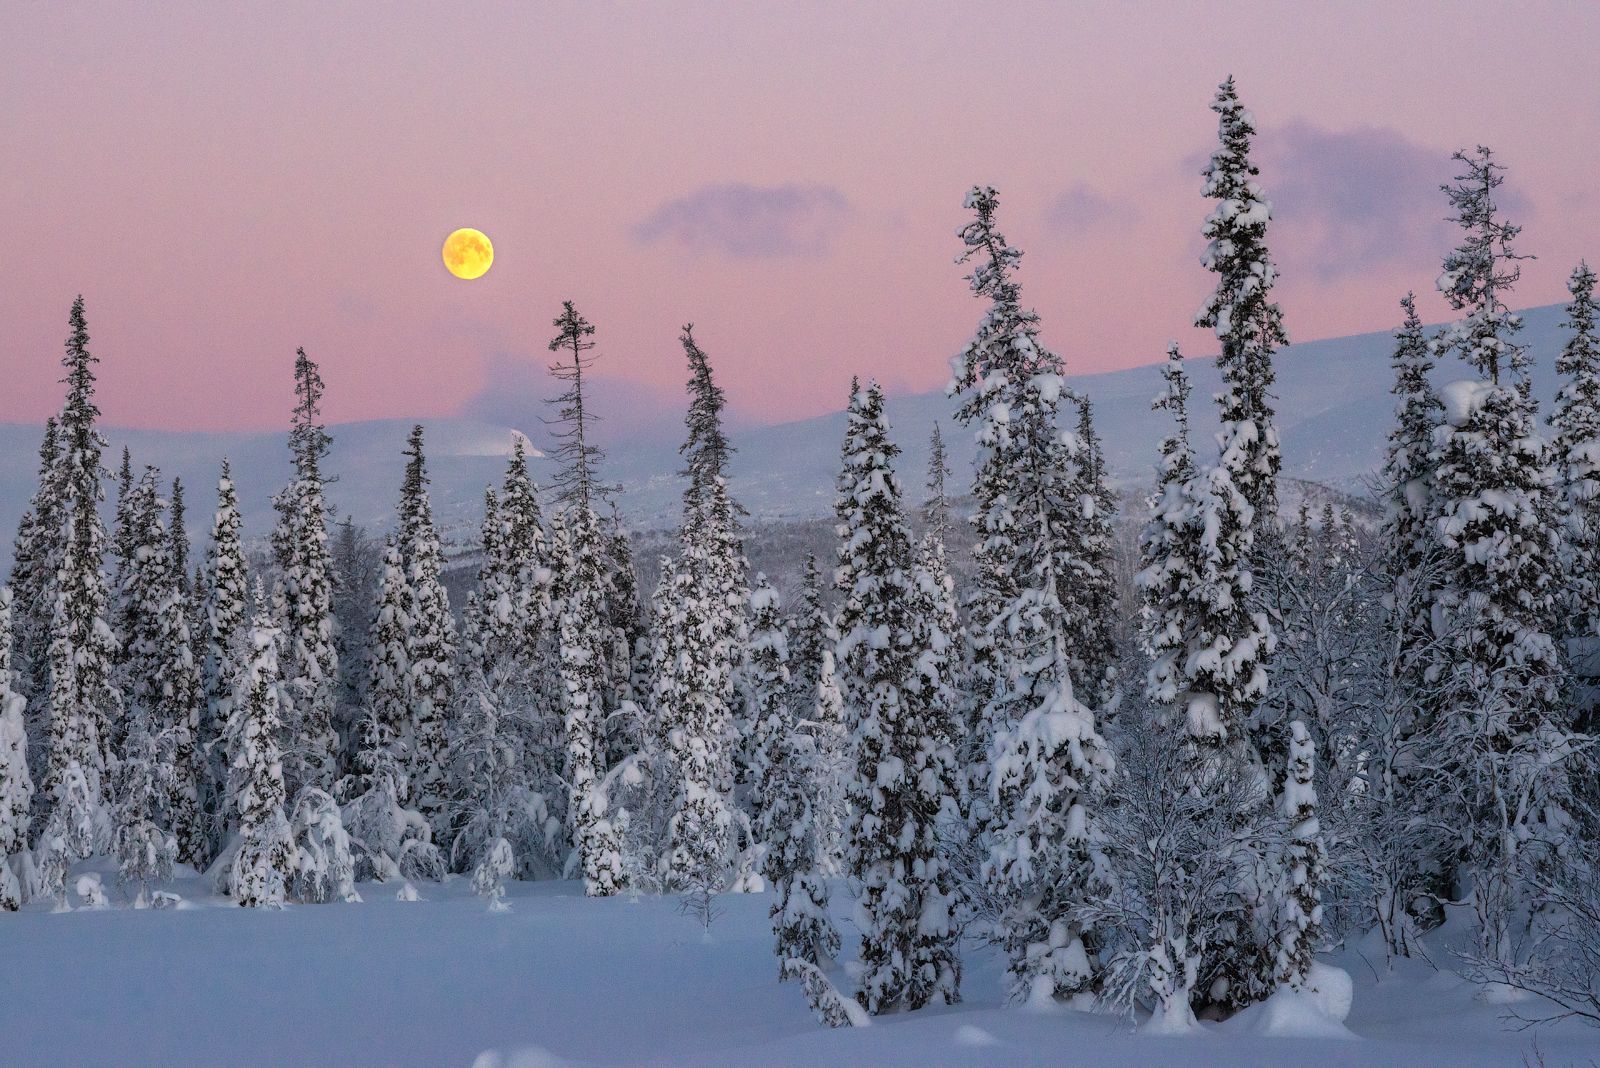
x,y
562,980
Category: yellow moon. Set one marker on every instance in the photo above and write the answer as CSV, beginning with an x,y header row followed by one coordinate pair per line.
x,y
468,253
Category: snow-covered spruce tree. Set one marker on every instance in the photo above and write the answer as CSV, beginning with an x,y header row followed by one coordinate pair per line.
x,y
389,698
489,795
356,559
300,542
160,678
1505,783
430,638
1206,646
897,709
1575,422
524,552
143,848
179,700
767,681
692,719
1093,638
595,840
583,639
16,784
625,618
788,795
264,862
35,556
226,591
392,840
124,538
1300,928
84,700
817,708
1248,325
490,628
1170,550
178,533
527,567
140,577
711,546
1046,759
1407,469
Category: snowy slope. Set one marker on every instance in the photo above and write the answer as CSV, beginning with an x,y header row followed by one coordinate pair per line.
x,y
463,456
565,980
1334,409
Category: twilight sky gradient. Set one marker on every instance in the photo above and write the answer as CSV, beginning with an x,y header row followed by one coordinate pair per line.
x,y
225,182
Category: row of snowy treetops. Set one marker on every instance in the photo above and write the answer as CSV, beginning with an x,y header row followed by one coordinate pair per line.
x,y
1126,798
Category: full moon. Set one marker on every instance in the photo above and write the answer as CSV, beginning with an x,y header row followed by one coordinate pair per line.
x,y
468,253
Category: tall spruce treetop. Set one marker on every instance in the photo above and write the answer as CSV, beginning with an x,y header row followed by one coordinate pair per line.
x,y
936,510
525,555
1169,551
178,532
1028,519
430,638
1094,652
301,544
710,532
1247,323
1406,467
1576,422
84,701
577,477
1479,270
227,595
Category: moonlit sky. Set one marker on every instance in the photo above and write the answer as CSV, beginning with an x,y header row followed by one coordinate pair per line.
x,y
224,182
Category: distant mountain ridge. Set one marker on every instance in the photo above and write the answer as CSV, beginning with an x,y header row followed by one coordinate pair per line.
x,y
1334,409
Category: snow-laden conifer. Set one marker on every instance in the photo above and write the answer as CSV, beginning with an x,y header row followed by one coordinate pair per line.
x,y
1045,759
430,637
16,784
711,548
83,698
143,848
1575,421
35,555
1247,324
1092,626
1300,928
300,542
226,595
767,681
264,861
595,837
898,710
1492,513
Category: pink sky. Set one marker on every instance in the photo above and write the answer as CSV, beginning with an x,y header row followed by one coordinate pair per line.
x,y
225,182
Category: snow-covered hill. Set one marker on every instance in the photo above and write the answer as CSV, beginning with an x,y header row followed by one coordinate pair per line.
x,y
1334,409
1333,404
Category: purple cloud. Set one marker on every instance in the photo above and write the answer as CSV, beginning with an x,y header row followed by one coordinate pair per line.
x,y
1349,200
745,221
1082,210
